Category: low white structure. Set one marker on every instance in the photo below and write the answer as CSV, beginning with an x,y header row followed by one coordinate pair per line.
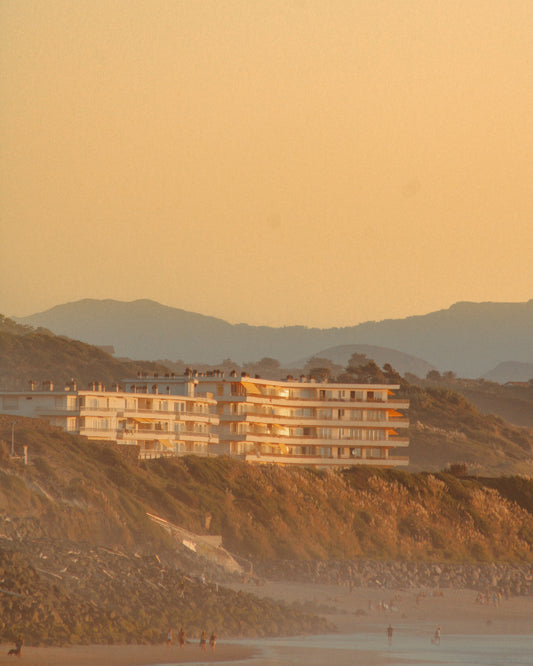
x,y
168,424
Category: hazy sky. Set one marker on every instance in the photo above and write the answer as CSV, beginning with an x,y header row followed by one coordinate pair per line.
x,y
321,163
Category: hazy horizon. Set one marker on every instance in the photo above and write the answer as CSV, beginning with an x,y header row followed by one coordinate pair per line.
x,y
243,321
275,163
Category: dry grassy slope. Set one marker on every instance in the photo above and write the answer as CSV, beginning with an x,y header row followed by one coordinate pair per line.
x,y
87,492
37,354
446,428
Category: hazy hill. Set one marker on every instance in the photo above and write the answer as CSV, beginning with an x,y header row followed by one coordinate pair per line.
x,y
511,402
401,362
510,371
27,354
468,338
446,428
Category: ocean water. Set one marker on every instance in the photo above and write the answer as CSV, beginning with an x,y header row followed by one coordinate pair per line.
x,y
407,649
456,649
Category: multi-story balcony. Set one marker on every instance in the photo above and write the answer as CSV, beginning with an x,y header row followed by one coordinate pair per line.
x,y
323,461
317,402
306,421
311,440
168,415
197,437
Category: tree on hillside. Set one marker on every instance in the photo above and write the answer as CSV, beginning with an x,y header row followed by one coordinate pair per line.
x,y
266,367
321,368
364,373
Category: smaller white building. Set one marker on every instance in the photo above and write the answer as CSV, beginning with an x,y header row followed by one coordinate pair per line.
x,y
171,422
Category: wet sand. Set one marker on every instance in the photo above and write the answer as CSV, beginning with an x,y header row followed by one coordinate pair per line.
x,y
126,655
142,655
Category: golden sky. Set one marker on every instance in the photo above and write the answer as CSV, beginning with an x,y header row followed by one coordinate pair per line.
x,y
320,163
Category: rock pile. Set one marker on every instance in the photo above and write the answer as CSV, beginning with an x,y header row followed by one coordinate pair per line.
x,y
514,580
63,593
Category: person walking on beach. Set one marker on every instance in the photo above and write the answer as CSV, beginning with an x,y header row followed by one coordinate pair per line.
x,y
436,637
169,638
389,634
203,641
182,637
213,641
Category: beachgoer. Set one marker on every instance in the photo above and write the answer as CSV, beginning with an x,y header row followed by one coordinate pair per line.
x,y
213,641
203,640
169,638
17,650
389,634
181,637
436,637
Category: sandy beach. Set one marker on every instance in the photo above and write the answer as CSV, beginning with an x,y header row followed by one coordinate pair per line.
x,y
456,611
413,614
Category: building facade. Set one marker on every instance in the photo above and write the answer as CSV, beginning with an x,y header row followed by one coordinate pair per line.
x,y
160,424
307,422
259,420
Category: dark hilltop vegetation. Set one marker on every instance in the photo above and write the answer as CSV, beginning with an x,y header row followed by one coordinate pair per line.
x,y
37,354
81,562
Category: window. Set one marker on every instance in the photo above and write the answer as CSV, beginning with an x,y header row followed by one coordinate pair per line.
x,y
355,452
375,453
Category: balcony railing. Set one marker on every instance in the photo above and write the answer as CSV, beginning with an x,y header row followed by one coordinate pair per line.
x,y
302,440
319,461
314,421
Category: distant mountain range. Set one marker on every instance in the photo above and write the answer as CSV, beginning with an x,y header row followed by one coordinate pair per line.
x,y
468,338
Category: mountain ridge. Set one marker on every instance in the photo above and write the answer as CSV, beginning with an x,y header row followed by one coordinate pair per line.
x,y
467,338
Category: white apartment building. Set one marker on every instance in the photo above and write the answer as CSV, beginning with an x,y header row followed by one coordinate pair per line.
x,y
259,420
171,423
309,423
